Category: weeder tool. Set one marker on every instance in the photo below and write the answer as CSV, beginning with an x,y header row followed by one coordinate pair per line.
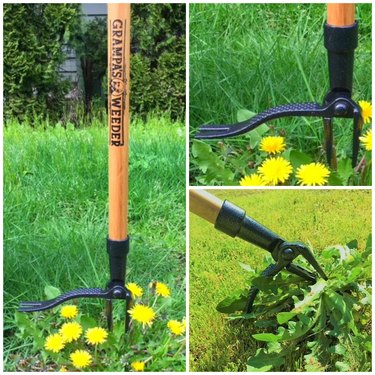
x,y
233,221
118,123
340,40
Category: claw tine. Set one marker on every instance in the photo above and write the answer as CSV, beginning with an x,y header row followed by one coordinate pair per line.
x,y
251,298
328,139
309,256
301,272
129,305
109,315
357,127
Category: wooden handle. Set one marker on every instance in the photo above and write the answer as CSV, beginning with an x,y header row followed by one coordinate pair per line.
x,y
340,14
118,118
205,205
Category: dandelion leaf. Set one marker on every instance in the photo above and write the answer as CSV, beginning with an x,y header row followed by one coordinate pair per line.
x,y
236,302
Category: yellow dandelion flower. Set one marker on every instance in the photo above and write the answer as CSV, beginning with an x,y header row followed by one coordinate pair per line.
x,y
366,110
142,314
162,290
81,358
135,290
252,180
70,331
312,174
63,369
272,145
176,327
366,140
96,335
138,366
54,343
69,311
275,170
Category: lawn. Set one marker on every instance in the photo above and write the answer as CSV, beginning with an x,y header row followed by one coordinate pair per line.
x,y
256,56
55,215
320,217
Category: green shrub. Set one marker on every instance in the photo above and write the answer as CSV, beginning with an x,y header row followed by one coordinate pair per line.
x,y
158,59
33,39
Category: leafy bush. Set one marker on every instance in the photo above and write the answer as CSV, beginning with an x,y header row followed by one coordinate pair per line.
x,y
33,39
89,40
320,327
158,59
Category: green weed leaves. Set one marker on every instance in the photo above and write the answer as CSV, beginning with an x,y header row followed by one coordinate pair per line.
x,y
320,327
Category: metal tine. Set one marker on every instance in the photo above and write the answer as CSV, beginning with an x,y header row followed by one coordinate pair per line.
x,y
328,139
109,314
309,256
129,305
357,127
301,272
271,270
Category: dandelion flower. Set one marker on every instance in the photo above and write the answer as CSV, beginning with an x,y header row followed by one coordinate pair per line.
x,y
162,290
142,314
70,331
135,290
272,145
69,311
176,327
367,140
63,369
252,180
275,170
312,174
54,343
96,335
81,358
366,110
138,366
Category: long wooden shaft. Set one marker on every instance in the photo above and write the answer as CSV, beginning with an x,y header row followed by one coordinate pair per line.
x,y
340,14
118,118
205,205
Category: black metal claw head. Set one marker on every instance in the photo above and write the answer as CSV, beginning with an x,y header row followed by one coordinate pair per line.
x,y
284,256
336,105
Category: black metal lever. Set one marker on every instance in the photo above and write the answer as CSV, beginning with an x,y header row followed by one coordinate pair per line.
x,y
339,107
116,290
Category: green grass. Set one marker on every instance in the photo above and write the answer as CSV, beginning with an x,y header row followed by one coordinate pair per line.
x,y
55,213
322,218
256,56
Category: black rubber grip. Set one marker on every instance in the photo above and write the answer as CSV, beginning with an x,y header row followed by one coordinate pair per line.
x,y
233,221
